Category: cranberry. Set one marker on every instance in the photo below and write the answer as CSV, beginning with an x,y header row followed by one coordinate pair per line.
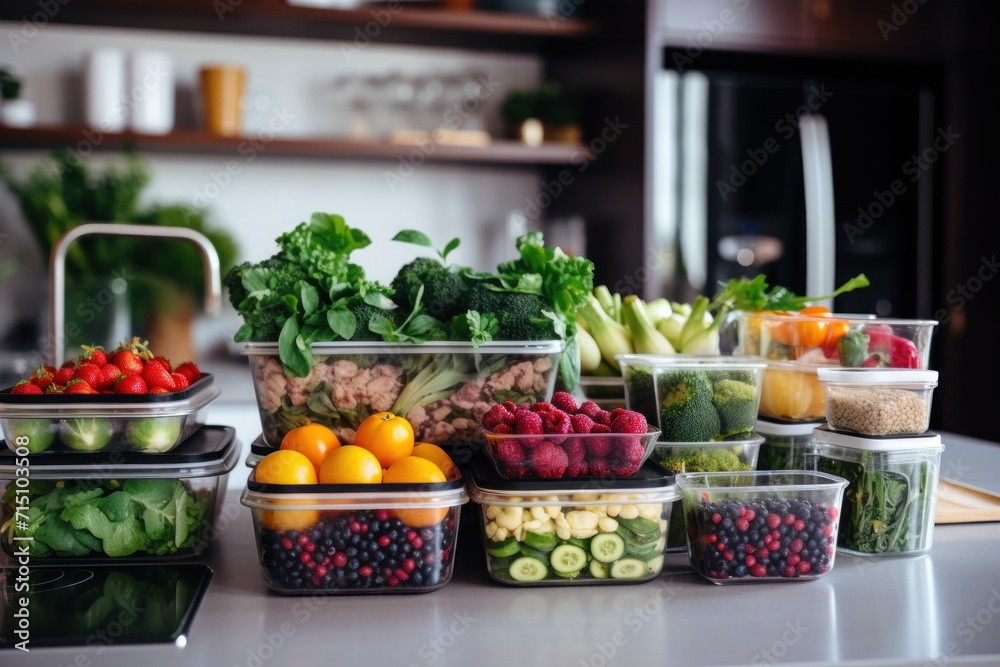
x,y
743,525
712,537
750,561
409,564
728,555
393,581
796,546
286,544
716,518
758,570
340,559
832,513
365,571
721,546
384,541
790,571
382,515
793,559
773,521
410,536
305,557
303,540
763,553
750,515
355,527
804,566
417,543
310,547
401,574
321,571
789,519
799,525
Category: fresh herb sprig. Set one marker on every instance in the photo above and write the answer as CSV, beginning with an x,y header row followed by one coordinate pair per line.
x,y
755,295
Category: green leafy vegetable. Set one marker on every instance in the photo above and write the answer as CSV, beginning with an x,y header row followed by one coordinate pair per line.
x,y
753,294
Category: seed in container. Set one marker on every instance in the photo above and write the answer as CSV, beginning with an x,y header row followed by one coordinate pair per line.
x,y
561,439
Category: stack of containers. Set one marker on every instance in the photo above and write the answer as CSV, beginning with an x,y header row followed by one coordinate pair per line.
x,y
876,438
571,507
129,478
706,408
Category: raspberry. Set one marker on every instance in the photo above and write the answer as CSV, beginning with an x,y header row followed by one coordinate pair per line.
x,y
617,412
565,402
582,423
578,469
498,414
549,460
517,471
603,417
510,406
599,467
597,446
503,429
628,422
575,450
590,409
557,422
529,423
542,406
622,469
629,450
510,451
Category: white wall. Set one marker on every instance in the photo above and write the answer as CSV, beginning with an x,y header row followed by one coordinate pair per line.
x,y
270,193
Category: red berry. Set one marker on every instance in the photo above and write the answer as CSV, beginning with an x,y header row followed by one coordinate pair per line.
x,y
602,417
624,469
556,423
355,527
729,555
763,553
128,362
758,570
418,542
411,535
549,460
789,519
576,451
305,557
804,566
516,471
565,402
721,546
384,541
510,450
401,574
189,370
340,559
716,518
590,409
793,559
750,515
796,546
599,467
495,416
109,376
542,406
26,387
749,548
323,569
89,373
95,355
286,544
799,525
750,561
629,450
158,390
156,375
581,424
712,538
628,422
529,423
365,570
510,406
790,571
80,387
131,385
742,525
577,469
382,515
409,565
832,513
598,446
503,429
64,375
773,520
393,581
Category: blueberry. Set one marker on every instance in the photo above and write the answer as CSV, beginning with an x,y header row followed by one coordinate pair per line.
x,y
740,571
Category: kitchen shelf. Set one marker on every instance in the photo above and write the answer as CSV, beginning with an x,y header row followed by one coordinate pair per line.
x,y
499,152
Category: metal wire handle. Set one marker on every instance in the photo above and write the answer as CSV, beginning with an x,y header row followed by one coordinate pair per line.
x,y
57,269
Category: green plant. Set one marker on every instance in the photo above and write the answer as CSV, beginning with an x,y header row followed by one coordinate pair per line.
x,y
10,86
550,103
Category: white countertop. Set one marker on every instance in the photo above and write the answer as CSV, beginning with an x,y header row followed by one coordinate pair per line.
x,y
943,606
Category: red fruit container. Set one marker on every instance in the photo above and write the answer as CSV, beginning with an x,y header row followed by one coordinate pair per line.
x,y
587,455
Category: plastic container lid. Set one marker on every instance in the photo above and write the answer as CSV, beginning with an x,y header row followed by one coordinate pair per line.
x,y
873,377
434,347
210,451
929,441
107,406
787,429
690,360
257,495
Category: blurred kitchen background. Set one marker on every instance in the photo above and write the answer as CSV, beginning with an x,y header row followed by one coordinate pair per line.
x,y
661,138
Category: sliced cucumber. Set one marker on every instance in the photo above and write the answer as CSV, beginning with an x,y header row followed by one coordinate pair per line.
x,y
534,553
577,542
528,569
628,568
567,559
569,575
641,527
503,549
607,547
500,563
598,570
655,565
541,541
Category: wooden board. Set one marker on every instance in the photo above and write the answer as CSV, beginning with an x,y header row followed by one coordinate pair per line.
x,y
962,503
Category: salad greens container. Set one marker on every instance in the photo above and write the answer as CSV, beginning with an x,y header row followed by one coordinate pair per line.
x,y
64,423
342,539
573,532
715,456
442,388
892,490
116,505
761,526
785,445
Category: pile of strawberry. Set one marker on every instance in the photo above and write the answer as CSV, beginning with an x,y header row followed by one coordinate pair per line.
x,y
556,453
129,369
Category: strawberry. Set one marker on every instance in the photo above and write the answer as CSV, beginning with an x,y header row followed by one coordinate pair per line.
x,y
80,386
69,363
158,390
180,381
89,373
95,355
26,387
156,375
50,369
165,362
109,376
128,362
132,385
64,375
42,377
189,370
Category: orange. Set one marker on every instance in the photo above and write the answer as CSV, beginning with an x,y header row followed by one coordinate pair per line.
x,y
415,470
438,457
285,467
313,440
350,464
387,436
282,520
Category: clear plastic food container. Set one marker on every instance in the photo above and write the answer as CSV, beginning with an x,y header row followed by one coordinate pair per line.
x,y
598,455
727,456
791,392
707,398
761,526
258,450
892,490
338,539
443,388
118,505
551,533
878,402
61,423
785,445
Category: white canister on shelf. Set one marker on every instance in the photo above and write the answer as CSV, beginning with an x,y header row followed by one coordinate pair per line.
x,y
18,113
151,92
105,104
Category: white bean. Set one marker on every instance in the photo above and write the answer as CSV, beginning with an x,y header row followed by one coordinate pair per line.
x,y
582,520
563,533
539,513
501,534
493,511
519,533
607,524
614,510
583,534
491,530
532,525
553,511
649,512
629,512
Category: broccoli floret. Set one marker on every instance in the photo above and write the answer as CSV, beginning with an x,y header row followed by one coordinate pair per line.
x,y
736,403
257,291
445,291
641,394
744,376
686,410
364,312
519,315
715,459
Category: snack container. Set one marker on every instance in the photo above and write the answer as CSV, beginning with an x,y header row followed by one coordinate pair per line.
x,y
336,539
761,526
443,388
119,506
572,532
65,423
785,445
715,456
892,490
600,455
878,402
